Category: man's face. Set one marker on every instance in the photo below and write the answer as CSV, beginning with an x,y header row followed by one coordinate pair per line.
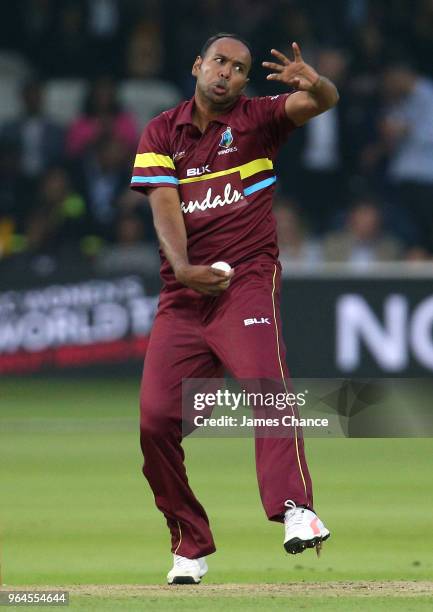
x,y
222,73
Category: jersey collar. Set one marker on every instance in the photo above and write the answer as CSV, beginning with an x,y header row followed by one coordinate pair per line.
x,y
228,118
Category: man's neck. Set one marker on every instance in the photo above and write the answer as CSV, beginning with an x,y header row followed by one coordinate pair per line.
x,y
204,113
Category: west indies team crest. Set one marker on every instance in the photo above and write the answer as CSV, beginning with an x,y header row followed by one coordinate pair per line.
x,y
226,138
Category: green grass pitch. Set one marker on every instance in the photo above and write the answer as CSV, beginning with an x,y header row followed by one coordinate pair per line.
x,y
75,509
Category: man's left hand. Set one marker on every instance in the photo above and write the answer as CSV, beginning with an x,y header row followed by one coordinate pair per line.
x,y
295,73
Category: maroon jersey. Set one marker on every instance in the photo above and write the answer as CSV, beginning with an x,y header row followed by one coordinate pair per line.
x,y
225,177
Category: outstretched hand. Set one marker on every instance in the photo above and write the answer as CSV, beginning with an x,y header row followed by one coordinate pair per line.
x,y
295,73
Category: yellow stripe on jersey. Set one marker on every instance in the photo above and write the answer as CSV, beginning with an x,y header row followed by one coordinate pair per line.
x,y
148,160
246,170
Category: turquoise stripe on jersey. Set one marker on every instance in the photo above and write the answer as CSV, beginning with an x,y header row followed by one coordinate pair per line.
x,y
155,179
260,185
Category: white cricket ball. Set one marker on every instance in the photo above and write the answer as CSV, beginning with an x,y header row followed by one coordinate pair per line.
x,y
221,265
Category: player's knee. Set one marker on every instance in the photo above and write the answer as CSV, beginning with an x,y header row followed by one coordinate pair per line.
x,y
154,425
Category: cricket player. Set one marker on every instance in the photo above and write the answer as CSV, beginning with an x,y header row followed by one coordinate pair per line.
x,y
207,167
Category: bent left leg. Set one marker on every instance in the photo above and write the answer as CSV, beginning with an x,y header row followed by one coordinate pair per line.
x,y
255,350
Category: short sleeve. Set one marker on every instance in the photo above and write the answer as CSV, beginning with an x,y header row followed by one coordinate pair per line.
x,y
153,166
271,119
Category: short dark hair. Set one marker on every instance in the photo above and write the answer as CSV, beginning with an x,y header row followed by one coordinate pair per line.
x,y
210,41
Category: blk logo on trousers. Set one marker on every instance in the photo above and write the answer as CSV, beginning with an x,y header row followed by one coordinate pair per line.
x,y
255,321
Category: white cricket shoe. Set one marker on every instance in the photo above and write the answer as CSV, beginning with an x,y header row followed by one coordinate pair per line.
x,y
303,529
187,571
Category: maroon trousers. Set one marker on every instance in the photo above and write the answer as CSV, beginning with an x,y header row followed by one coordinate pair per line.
x,y
196,336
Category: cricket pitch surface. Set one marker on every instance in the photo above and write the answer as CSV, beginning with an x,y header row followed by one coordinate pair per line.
x,y
310,589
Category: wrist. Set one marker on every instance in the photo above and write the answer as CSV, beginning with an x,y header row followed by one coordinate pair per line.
x,y
316,84
180,269
324,92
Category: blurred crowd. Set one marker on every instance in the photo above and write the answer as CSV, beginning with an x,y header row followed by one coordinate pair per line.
x,y
355,185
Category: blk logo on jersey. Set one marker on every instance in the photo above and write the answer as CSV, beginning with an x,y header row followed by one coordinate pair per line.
x,y
198,171
226,138
255,321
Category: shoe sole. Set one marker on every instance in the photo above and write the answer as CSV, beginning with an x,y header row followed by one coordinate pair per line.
x,y
184,580
296,545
